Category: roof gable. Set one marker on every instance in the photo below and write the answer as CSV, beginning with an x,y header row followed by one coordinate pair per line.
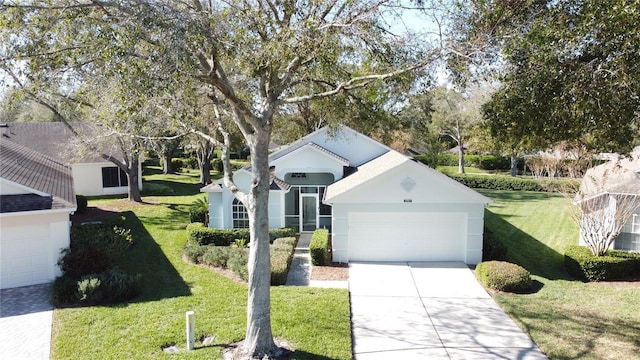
x,y
32,173
342,142
393,177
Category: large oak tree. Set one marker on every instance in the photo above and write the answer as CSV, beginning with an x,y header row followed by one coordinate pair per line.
x,y
249,58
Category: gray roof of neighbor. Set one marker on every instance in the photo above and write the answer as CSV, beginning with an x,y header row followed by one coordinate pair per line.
x,y
53,139
36,171
621,176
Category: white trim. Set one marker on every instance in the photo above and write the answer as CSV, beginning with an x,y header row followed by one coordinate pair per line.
x,y
25,188
70,211
309,146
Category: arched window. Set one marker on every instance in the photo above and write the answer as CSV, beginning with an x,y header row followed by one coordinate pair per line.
x,y
239,214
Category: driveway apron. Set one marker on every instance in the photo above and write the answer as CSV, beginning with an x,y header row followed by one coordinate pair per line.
x,y
429,310
25,323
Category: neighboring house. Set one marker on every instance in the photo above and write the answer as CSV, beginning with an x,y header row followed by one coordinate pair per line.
x,y
379,205
616,177
92,175
36,199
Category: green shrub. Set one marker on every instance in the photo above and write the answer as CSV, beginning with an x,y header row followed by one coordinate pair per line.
x,y
492,247
94,248
109,287
199,233
238,259
319,247
82,203
156,189
614,265
190,162
217,256
177,164
216,165
198,214
503,276
194,251
64,291
503,182
282,251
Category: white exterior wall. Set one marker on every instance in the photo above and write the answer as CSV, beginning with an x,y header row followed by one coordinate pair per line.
x,y
30,245
216,211
349,144
308,160
471,218
8,188
87,179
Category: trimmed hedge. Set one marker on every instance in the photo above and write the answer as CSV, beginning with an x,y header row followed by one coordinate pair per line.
x,y
198,214
235,259
501,182
492,247
484,162
319,247
281,257
503,276
614,265
200,234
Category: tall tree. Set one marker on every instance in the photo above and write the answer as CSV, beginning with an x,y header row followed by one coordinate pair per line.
x,y
571,68
251,58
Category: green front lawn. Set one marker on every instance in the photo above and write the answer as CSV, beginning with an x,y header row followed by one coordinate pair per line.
x,y
568,319
314,321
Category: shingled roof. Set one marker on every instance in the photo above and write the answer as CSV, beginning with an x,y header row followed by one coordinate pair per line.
x,y
51,180
53,139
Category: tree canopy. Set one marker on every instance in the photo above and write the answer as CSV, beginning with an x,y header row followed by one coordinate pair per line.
x,y
570,69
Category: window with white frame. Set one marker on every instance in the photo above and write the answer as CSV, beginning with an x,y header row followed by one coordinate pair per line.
x,y
239,215
635,223
112,176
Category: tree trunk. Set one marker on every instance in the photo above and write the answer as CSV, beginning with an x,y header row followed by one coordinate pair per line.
x,y
460,158
132,178
514,165
166,164
259,339
205,172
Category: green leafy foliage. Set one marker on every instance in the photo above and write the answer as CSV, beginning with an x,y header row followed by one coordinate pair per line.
x,y
492,247
500,182
109,287
94,248
319,247
613,265
282,251
503,276
203,235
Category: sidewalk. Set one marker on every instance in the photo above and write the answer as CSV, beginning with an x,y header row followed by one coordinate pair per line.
x,y
25,322
300,271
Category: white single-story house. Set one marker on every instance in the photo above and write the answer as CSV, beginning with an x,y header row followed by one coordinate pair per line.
x,y
379,205
92,175
607,181
36,200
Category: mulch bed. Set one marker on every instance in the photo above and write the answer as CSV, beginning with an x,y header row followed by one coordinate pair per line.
x,y
334,271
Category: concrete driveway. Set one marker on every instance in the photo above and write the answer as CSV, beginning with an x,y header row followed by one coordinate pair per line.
x,y
429,311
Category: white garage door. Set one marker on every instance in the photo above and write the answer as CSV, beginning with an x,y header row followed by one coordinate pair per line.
x,y
407,236
25,256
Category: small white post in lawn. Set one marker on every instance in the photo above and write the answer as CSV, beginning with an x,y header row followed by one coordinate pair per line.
x,y
191,327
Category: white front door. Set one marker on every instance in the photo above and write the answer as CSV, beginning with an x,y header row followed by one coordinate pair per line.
x,y
309,218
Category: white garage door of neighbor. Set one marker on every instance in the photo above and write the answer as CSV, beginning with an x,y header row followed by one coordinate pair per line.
x,y
407,236
25,257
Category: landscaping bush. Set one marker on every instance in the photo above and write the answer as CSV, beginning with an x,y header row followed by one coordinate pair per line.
x,y
614,265
94,248
198,214
216,256
64,291
109,287
197,232
237,262
492,247
216,165
319,247
190,162
177,164
503,276
194,251
281,257
156,189
500,182
82,203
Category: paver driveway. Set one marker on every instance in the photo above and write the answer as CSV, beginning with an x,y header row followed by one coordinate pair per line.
x,y
429,311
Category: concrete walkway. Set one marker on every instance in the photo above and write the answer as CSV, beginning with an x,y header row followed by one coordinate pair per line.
x,y
429,311
300,271
25,323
